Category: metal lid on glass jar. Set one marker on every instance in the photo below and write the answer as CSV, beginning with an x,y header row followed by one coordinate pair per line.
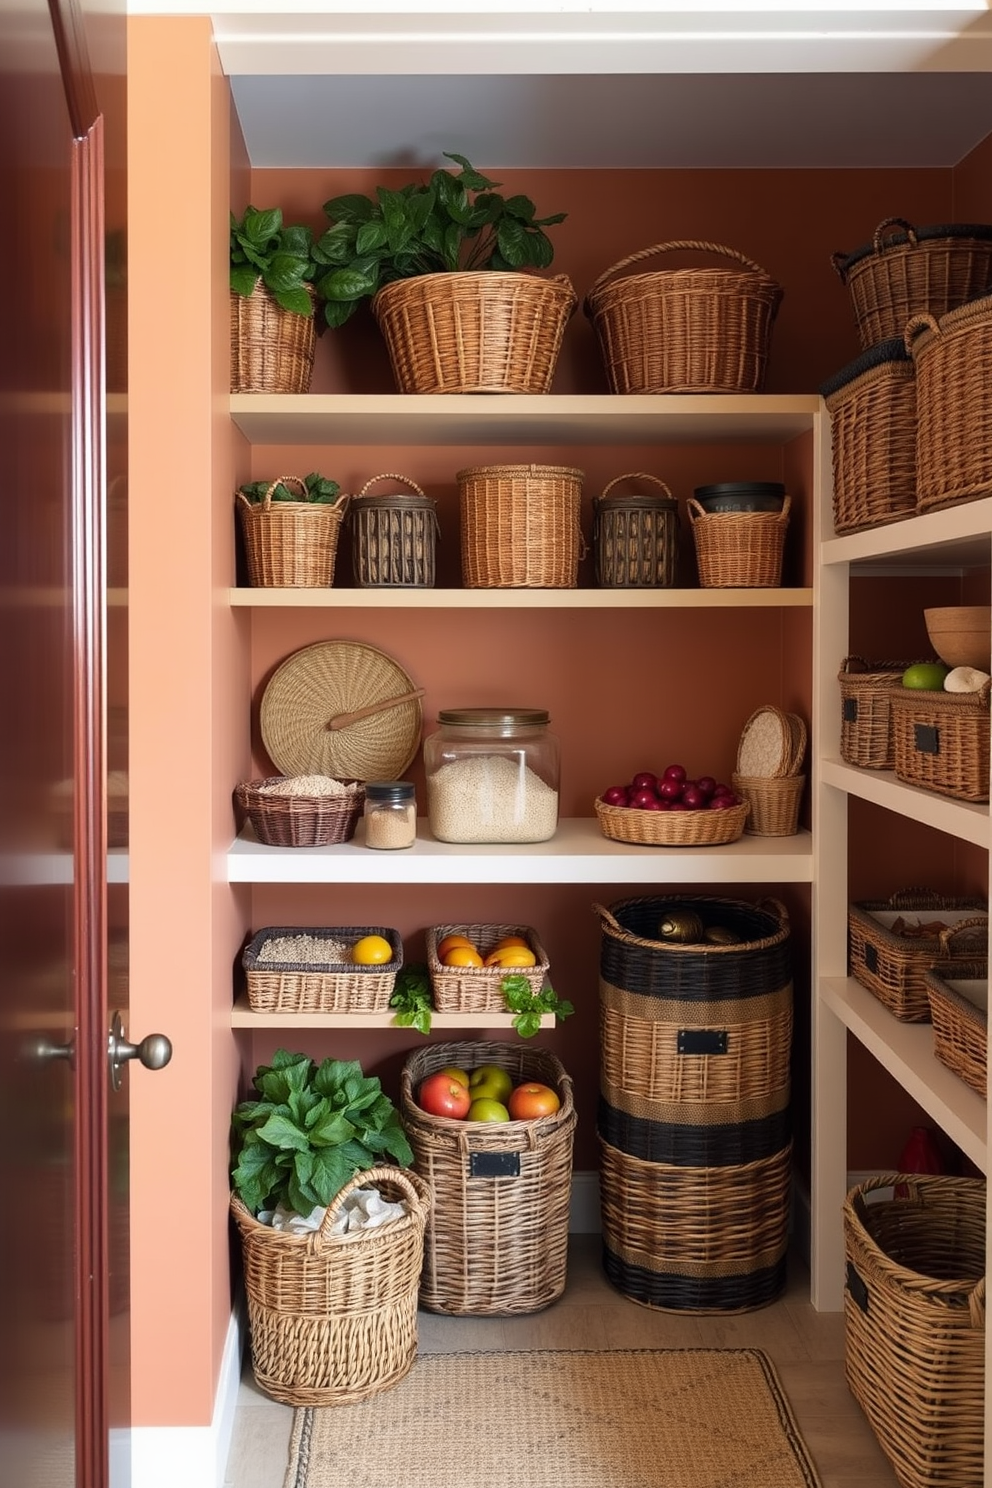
x,y
494,718
389,790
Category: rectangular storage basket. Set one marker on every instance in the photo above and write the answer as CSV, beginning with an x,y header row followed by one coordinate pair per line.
x,y
872,408
635,536
893,965
394,537
497,1241
866,711
914,1314
953,357
477,989
941,741
334,987
959,1012
739,550
520,526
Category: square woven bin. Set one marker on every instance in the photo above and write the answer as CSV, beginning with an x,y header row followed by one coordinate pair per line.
x,y
497,1241
285,987
959,1011
893,966
866,711
872,408
914,1313
953,357
941,741
477,989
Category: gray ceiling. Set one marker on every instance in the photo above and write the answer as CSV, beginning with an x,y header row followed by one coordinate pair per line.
x,y
694,121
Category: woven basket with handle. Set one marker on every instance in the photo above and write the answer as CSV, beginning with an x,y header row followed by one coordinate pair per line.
x,y
739,550
290,544
959,1011
872,407
635,536
272,349
893,964
953,358
393,536
685,330
866,712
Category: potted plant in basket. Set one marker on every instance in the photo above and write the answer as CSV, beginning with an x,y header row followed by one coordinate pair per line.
x,y
332,1231
272,304
448,265
291,527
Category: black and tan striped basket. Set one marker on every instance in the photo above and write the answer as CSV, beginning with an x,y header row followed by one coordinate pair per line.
x,y
394,536
635,534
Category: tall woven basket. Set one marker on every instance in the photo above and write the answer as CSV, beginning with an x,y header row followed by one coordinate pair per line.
x,y
290,544
394,537
520,526
953,357
635,536
872,408
914,1315
272,349
333,1318
739,550
485,332
687,330
497,1241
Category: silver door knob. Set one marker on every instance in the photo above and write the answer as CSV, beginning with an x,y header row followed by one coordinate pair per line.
x,y
154,1051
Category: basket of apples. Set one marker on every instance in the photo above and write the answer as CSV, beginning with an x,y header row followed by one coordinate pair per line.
x,y
672,810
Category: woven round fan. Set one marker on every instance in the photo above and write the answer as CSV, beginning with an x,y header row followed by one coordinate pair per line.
x,y
343,709
766,745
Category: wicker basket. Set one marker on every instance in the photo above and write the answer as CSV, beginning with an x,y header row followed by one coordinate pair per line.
x,y
959,1012
290,544
914,1314
333,1318
696,1239
635,537
497,1242
334,987
300,821
774,803
272,349
866,712
520,526
941,741
477,989
672,828
892,965
906,270
689,330
739,550
872,408
953,358
394,537
491,332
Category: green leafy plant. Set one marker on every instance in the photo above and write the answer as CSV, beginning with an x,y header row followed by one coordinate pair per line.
x,y
412,998
456,221
528,1006
282,257
312,1128
319,490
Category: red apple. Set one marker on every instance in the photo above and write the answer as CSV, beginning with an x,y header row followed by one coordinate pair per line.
x,y
706,784
644,780
642,799
442,1095
670,789
692,796
616,795
674,772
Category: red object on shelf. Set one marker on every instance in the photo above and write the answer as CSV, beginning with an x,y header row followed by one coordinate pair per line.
x,y
920,1155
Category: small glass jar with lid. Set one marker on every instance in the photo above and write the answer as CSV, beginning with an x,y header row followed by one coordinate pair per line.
x,y
492,775
390,814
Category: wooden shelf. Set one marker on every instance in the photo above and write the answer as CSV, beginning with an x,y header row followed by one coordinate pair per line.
x,y
242,1016
522,599
962,819
955,538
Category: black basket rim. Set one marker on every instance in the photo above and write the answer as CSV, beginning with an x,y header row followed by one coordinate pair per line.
x,y
249,956
980,231
893,350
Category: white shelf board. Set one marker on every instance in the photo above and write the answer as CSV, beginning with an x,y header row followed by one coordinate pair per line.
x,y
956,537
242,1016
515,599
906,1051
578,853
521,419
962,819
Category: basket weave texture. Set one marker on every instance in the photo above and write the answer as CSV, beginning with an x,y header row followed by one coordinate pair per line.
x,y
739,550
685,330
394,537
485,332
333,1318
774,802
672,828
941,741
520,526
290,544
914,1314
292,987
497,1241
300,821
959,1003
907,271
866,712
635,537
873,431
953,357
892,965
272,349
477,989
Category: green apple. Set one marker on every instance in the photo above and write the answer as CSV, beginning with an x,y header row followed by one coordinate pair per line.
x,y
454,1073
486,1109
925,676
490,1080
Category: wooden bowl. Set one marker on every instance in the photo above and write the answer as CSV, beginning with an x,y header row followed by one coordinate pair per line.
x,y
961,635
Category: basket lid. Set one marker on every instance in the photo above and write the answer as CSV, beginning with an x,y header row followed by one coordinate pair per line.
x,y
979,231
767,744
893,350
496,719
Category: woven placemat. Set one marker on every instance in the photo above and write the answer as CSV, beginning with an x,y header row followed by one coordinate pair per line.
x,y
624,1418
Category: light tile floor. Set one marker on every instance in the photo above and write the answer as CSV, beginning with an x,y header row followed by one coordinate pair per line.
x,y
806,1347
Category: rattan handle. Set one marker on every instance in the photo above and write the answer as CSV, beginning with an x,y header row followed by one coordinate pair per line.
x,y
952,931
389,475
910,897
634,475
345,720
681,245
878,238
415,1192
914,325
280,480
776,908
696,510
604,914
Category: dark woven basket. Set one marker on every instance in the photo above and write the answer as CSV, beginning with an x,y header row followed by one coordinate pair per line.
x,y
717,1134
394,537
872,408
635,537
300,821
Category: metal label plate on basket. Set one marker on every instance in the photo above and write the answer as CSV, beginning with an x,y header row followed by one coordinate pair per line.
x,y
857,1288
849,710
702,1041
926,738
494,1164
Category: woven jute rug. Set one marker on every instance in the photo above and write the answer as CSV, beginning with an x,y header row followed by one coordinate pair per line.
x,y
624,1418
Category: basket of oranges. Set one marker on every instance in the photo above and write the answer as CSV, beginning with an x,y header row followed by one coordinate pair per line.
x,y
467,964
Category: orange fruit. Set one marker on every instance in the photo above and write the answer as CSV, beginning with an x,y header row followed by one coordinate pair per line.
x,y
448,942
512,955
511,940
371,950
462,955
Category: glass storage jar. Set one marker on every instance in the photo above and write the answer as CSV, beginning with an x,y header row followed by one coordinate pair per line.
x,y
390,814
492,775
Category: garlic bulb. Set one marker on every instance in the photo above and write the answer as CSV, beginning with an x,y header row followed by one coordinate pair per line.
x,y
965,679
